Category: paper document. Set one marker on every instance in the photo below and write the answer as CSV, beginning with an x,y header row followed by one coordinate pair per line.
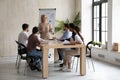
x,y
66,42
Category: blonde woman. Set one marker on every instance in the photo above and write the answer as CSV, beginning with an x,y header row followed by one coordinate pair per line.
x,y
45,27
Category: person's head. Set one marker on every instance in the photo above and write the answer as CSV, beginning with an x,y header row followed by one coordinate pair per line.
x,y
76,29
25,27
66,26
71,26
44,18
35,30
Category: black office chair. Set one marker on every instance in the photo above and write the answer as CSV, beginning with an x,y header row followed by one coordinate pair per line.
x,y
88,48
21,55
76,56
88,54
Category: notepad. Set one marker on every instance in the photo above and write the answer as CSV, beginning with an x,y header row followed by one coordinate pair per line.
x,y
65,42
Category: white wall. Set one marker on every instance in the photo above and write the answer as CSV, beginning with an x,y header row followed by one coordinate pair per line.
x,y
109,46
116,20
86,19
78,6
113,22
13,13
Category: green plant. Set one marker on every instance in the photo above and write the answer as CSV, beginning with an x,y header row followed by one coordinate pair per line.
x,y
77,20
60,24
97,43
94,43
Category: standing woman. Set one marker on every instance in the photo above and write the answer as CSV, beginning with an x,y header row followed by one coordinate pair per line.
x,y
45,27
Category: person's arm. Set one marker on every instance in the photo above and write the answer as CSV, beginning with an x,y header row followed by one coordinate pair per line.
x,y
66,35
81,38
50,27
62,38
26,36
78,39
37,42
40,28
72,41
40,40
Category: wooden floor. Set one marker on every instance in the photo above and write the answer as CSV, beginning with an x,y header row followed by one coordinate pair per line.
x,y
103,71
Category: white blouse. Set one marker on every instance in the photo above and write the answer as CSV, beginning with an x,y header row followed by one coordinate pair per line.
x,y
78,39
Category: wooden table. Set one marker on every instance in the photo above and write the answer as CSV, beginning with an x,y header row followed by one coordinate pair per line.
x,y
57,44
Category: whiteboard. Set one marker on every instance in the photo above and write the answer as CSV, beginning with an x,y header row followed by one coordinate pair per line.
x,y
51,13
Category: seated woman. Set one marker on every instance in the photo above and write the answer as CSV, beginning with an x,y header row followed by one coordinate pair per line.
x,y
75,51
33,42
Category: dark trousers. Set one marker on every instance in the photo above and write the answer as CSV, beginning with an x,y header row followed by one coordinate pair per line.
x,y
61,53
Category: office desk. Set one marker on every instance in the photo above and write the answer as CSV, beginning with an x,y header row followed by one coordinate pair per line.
x,y
57,44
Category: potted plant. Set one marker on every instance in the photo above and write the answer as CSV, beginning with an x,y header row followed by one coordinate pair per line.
x,y
60,24
97,43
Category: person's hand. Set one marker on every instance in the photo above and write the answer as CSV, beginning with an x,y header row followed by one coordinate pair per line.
x,y
72,42
62,40
77,42
50,30
44,42
54,37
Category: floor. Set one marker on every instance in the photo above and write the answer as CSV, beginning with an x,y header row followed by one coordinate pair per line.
x,y
103,71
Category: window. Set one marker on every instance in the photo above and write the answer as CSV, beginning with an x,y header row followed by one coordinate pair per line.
x,y
99,20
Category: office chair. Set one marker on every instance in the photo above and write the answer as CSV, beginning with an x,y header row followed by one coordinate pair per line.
x,y
88,48
88,51
76,56
21,55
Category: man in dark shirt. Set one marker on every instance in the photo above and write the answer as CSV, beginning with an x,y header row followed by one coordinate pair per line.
x,y
33,42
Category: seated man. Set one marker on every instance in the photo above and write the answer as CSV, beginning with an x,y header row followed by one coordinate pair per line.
x,y
66,35
23,36
33,42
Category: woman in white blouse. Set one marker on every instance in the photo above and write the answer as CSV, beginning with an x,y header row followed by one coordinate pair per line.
x,y
69,53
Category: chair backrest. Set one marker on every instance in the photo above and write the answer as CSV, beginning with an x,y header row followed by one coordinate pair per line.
x,y
88,47
21,48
